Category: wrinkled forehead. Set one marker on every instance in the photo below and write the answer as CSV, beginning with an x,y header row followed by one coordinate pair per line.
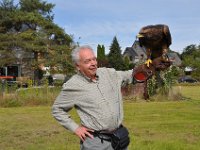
x,y
86,54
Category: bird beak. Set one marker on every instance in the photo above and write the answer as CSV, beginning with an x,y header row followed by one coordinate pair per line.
x,y
140,36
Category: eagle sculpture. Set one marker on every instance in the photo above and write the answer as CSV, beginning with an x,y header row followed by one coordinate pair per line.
x,y
156,40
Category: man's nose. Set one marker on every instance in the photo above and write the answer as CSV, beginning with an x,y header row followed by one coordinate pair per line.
x,y
94,62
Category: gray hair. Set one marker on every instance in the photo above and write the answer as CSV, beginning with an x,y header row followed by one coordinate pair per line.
x,y
75,52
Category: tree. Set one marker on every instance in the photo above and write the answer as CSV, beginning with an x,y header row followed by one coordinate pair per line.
x,y
100,52
188,50
101,57
7,56
39,6
191,58
29,27
114,57
127,63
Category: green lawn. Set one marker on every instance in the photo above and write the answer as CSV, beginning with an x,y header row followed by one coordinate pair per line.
x,y
173,125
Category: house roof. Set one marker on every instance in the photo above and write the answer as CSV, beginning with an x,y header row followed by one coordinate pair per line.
x,y
175,58
130,51
136,46
136,52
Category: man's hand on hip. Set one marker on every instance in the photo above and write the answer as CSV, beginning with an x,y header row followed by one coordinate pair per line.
x,y
82,132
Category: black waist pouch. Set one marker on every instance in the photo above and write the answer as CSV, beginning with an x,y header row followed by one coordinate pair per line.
x,y
120,138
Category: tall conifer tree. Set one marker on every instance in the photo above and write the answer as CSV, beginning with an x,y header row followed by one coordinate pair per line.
x,y
29,27
115,57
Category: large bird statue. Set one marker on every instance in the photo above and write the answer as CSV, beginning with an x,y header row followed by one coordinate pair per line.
x,y
156,40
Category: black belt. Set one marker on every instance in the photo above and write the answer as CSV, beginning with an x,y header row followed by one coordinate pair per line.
x,y
104,135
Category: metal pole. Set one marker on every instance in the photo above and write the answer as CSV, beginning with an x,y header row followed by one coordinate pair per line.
x,y
2,87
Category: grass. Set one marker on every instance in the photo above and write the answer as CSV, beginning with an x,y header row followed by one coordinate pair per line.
x,y
33,96
168,125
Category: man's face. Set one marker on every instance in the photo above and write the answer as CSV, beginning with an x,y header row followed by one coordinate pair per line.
x,y
87,63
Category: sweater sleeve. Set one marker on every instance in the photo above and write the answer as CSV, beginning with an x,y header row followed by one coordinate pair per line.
x,y
122,77
125,77
61,107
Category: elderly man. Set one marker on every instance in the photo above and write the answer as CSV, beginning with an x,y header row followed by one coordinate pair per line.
x,y
96,95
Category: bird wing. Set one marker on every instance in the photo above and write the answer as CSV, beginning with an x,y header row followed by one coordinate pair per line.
x,y
167,34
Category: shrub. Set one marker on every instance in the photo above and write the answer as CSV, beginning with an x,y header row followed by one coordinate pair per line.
x,y
32,96
161,83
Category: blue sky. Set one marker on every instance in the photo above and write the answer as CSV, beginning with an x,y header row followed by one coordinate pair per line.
x,y
98,21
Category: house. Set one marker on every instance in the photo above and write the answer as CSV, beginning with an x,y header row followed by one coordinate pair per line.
x,y
21,66
137,54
